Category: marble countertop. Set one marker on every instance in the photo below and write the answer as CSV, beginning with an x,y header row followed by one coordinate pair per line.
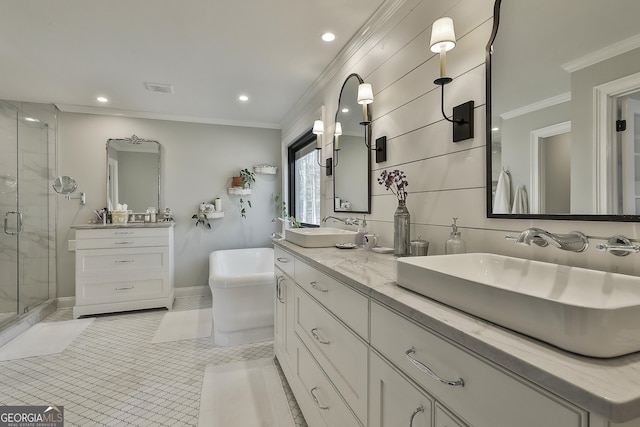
x,y
608,387
98,226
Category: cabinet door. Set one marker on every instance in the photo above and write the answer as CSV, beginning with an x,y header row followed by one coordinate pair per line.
x,y
279,326
284,338
393,400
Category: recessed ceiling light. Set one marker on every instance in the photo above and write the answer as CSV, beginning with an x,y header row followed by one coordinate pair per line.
x,y
102,99
495,129
31,119
243,98
328,37
345,110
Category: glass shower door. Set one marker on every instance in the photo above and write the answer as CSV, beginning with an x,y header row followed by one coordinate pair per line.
x,y
33,204
8,212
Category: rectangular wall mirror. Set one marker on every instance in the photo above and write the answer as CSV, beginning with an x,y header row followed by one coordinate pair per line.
x,y
563,110
133,173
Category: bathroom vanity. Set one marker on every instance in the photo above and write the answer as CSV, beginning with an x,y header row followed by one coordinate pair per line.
x,y
123,267
358,350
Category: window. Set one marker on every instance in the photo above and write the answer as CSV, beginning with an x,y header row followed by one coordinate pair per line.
x,y
304,181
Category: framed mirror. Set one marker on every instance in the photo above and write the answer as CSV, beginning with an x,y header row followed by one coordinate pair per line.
x,y
133,173
563,81
352,171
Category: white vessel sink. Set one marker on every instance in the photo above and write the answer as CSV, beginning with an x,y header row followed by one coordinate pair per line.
x,y
588,312
319,237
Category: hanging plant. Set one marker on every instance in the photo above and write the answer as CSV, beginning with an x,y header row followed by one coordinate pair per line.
x,y
243,210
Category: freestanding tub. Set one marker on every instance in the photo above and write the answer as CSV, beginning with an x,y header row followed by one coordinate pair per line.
x,y
243,289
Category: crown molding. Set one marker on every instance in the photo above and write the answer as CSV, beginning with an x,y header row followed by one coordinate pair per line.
x,y
540,105
603,54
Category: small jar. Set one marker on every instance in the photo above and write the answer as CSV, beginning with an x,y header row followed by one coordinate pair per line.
x,y
419,247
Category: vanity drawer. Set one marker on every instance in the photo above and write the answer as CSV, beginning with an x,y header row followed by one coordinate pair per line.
x,y
340,353
101,291
319,395
346,303
445,419
120,243
119,232
283,260
490,397
100,261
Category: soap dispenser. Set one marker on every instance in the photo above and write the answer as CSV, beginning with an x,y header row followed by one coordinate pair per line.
x,y
455,244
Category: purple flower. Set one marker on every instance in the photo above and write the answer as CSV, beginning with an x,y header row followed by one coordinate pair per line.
x,y
394,181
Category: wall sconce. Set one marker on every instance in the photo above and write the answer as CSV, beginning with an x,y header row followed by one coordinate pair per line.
x,y
336,142
318,130
443,39
365,97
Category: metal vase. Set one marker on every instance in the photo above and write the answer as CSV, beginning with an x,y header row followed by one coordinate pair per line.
x,y
401,225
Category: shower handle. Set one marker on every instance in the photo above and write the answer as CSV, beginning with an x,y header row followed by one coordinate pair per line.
x,y
6,223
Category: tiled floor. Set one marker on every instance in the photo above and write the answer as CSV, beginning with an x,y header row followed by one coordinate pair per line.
x,y
113,375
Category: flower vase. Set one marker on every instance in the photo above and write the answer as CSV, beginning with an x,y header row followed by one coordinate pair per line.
x,y
401,224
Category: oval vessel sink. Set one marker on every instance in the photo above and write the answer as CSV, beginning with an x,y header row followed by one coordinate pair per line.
x,y
589,312
319,237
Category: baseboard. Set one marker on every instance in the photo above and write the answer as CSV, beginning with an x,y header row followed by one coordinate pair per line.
x,y
66,302
193,291
189,291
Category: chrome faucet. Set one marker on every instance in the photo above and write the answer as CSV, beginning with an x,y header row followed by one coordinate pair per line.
x,y
346,221
573,242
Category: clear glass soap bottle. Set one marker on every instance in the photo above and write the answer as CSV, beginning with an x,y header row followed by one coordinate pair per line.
x,y
455,244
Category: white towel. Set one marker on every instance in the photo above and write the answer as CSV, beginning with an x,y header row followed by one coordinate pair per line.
x,y
520,201
502,200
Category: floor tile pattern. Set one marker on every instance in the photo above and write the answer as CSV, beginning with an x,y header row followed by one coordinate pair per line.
x,y
112,375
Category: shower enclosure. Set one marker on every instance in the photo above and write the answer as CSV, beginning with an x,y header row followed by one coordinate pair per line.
x,y
24,210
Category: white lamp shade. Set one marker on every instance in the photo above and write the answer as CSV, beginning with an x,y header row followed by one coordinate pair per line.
x,y
365,93
442,35
318,127
338,131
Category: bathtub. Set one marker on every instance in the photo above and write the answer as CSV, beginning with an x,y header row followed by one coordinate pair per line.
x,y
243,289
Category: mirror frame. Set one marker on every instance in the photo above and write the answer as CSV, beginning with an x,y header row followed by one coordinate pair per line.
x,y
367,136
134,140
489,193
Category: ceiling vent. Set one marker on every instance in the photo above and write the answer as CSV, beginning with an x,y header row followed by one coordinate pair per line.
x,y
159,87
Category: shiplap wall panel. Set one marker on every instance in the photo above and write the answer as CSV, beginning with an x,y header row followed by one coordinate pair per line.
x,y
428,141
396,60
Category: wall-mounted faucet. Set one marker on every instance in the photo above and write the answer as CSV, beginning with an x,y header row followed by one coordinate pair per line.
x,y
619,246
346,221
573,242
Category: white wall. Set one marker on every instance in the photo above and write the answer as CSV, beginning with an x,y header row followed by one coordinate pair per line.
x,y
446,179
198,161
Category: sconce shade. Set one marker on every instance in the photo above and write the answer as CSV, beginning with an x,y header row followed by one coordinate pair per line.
x,y
443,35
318,127
338,131
365,93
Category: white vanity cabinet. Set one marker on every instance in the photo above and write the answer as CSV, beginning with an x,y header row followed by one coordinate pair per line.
x,y
123,268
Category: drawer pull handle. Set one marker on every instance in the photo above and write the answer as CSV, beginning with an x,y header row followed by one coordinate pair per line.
x,y
124,289
315,286
123,232
424,368
124,243
124,261
314,332
416,411
315,399
279,289
283,259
